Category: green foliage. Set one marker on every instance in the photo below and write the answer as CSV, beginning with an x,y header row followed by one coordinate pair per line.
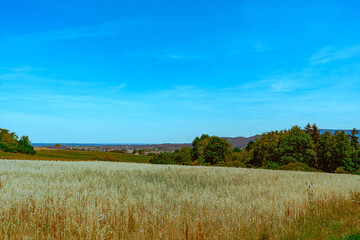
x,y
354,139
326,152
24,146
163,158
296,146
353,236
297,167
196,146
236,149
272,165
9,143
183,156
216,150
294,149
334,150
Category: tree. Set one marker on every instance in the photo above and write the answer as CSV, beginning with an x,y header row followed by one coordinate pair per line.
x,y
216,150
315,134
24,146
58,145
308,128
296,146
196,148
236,149
354,139
8,141
334,151
183,156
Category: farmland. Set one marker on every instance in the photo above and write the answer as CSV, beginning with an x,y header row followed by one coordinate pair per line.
x,y
108,200
75,155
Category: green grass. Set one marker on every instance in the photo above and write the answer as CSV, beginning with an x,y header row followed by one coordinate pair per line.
x,y
75,155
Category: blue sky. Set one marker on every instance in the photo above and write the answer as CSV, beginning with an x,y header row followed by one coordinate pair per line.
x,y
166,71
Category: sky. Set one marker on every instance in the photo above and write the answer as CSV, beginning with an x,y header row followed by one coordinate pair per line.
x,y
135,71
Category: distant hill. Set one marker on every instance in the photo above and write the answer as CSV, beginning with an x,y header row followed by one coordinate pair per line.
x,y
240,142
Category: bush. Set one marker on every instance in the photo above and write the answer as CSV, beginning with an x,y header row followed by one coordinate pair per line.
x,y
298,167
163,158
341,171
272,165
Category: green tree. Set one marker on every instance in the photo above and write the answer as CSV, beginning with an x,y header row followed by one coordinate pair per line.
x,y
163,158
296,146
334,151
196,146
24,146
308,128
183,156
236,149
315,134
216,150
8,141
354,139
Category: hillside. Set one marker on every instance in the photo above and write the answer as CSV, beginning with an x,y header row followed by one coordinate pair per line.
x,y
240,142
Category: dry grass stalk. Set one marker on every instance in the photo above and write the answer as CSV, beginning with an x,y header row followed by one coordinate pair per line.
x,y
102,200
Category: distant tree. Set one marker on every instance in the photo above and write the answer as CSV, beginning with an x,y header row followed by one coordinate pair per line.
x,y
308,128
283,147
334,151
216,150
183,156
197,146
24,146
58,145
8,141
315,134
134,151
354,139
236,149
141,152
163,158
296,146
250,145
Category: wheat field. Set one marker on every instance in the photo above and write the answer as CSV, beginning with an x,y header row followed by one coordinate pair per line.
x,y
105,200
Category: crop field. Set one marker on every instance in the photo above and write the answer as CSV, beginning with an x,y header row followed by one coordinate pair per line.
x,y
76,155
113,200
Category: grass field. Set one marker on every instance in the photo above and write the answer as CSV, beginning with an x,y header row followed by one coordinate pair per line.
x,y
75,155
106,200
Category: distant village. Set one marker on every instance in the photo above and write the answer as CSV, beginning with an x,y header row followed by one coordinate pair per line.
x,y
130,149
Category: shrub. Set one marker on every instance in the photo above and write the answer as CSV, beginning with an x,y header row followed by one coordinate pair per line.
x,y
272,165
341,170
298,167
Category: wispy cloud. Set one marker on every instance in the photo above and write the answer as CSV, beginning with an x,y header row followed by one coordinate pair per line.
x,y
103,29
329,54
21,69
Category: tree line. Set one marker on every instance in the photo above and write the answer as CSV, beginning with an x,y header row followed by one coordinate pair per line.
x,y
10,142
292,149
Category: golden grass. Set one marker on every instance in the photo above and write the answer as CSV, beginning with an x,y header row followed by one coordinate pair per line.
x,y
75,155
105,200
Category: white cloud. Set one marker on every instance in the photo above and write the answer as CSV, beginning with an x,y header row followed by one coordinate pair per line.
x,y
329,54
